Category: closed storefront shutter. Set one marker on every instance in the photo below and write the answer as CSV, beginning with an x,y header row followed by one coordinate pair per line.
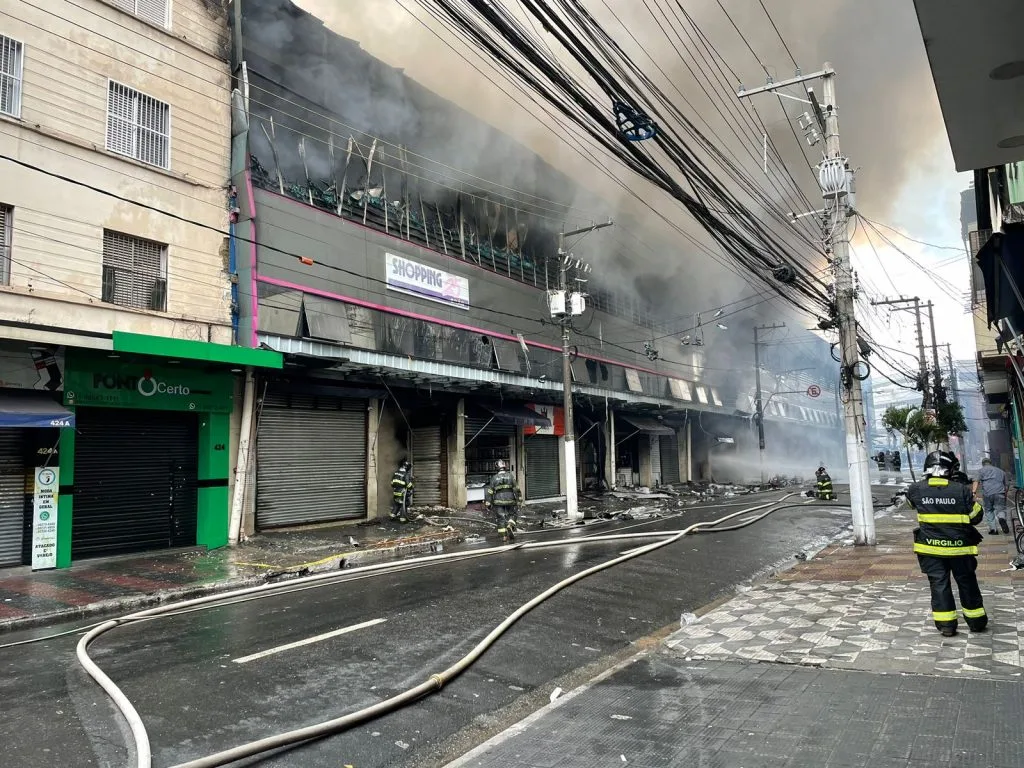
x,y
428,466
311,460
542,469
12,497
655,460
489,427
669,459
136,481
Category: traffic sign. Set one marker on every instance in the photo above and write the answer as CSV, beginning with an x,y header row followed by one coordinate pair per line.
x,y
813,391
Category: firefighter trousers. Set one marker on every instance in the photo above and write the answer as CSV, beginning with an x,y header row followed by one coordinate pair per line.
x,y
503,513
962,568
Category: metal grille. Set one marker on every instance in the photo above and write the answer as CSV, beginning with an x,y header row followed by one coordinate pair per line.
x,y
669,449
136,481
12,497
655,444
134,271
10,76
427,466
138,126
311,460
542,468
150,10
6,230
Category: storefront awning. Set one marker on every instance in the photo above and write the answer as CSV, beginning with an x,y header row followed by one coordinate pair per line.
x,y
645,424
33,410
518,415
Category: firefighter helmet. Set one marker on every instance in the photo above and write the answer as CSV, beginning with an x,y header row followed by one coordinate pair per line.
x,y
501,465
941,464
404,465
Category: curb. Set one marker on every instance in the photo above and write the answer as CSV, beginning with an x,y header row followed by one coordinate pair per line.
x,y
133,603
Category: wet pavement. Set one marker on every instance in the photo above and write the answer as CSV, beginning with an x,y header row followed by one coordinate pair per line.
x,y
211,679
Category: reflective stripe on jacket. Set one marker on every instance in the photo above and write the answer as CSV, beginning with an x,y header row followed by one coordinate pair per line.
x,y
502,491
401,482
946,515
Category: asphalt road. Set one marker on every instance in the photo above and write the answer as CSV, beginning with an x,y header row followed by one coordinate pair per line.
x,y
181,674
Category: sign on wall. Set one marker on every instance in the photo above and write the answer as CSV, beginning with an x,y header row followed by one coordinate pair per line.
x,y
115,383
415,279
44,518
554,414
37,367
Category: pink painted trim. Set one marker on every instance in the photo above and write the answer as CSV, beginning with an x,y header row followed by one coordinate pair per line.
x,y
406,243
254,339
438,321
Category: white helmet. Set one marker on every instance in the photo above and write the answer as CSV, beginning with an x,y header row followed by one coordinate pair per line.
x,y
502,465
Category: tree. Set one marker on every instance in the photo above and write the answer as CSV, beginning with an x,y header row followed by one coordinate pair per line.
x,y
907,422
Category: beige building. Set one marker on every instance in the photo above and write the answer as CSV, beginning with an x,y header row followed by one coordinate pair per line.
x,y
112,116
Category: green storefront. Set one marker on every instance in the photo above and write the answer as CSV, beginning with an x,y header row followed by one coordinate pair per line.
x,y
147,466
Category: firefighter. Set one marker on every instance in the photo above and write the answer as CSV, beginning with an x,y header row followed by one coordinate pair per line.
x,y
502,497
401,488
824,485
946,541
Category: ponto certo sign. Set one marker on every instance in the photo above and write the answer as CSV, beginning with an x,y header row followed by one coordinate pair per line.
x,y
147,386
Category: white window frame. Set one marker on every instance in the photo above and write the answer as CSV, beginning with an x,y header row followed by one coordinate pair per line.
x,y
18,76
135,272
134,11
137,94
6,236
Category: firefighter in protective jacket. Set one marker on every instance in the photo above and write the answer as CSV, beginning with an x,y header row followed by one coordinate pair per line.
x,y
401,489
947,541
824,484
502,496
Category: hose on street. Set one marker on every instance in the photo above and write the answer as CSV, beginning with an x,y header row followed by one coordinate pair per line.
x,y
437,681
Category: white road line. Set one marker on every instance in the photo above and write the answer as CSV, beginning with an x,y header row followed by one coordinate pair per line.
x,y
307,641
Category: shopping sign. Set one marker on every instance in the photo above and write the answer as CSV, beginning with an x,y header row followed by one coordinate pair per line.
x,y
553,413
406,276
814,391
44,518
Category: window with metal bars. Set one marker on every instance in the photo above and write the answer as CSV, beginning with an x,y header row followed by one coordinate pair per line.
x,y
6,230
11,63
155,11
134,271
138,126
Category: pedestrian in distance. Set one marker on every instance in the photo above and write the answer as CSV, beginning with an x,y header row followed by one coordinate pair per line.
x,y
402,483
994,488
946,541
824,480
502,497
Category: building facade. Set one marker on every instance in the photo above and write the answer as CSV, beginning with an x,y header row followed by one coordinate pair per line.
x,y
409,300
117,370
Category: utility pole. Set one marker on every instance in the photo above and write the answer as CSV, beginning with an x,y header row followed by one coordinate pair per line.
x,y
938,393
922,360
954,387
759,405
835,176
566,304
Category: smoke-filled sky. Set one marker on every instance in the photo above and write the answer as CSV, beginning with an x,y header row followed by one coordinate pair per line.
x,y
890,125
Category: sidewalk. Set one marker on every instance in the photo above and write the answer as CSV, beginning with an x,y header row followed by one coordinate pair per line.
x,y
834,663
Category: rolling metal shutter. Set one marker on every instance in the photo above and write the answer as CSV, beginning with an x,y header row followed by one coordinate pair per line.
x,y
12,497
311,460
136,481
669,459
542,468
490,427
655,460
428,466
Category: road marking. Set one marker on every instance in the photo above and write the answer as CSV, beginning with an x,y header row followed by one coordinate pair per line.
x,y
307,641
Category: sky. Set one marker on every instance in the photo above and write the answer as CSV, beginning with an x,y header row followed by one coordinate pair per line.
x,y
890,124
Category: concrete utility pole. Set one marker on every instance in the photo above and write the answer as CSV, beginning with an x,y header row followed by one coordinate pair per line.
x,y
757,383
938,395
954,387
922,359
836,180
572,507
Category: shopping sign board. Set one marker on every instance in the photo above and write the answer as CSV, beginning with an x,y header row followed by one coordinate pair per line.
x,y
116,383
44,518
427,282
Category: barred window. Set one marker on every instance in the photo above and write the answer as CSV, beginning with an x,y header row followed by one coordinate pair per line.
x,y
138,126
11,55
155,11
6,228
134,271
